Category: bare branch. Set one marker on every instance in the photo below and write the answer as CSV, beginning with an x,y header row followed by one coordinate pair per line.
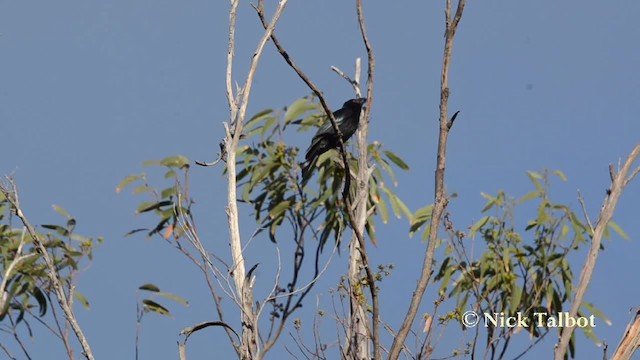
x,y
238,108
441,199
630,340
362,185
633,175
612,173
584,211
356,86
233,107
617,187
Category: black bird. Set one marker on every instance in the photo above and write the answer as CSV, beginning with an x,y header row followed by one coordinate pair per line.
x,y
347,119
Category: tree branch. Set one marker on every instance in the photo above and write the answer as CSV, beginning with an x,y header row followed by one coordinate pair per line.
x,y
618,183
363,179
630,341
441,199
345,194
12,196
238,107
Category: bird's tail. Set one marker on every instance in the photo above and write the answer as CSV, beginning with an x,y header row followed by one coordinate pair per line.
x,y
307,168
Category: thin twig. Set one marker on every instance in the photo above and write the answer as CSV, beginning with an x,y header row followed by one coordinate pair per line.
x,y
356,86
584,211
190,232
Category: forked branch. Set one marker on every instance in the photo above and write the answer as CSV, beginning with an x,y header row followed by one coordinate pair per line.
x,y
237,108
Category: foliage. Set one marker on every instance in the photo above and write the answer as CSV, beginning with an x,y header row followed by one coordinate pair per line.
x,y
27,284
168,204
271,183
518,272
149,305
269,180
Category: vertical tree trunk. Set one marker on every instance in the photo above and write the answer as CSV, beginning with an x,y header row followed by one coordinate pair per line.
x,y
359,329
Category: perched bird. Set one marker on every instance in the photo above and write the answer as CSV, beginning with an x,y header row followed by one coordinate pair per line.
x,y
326,138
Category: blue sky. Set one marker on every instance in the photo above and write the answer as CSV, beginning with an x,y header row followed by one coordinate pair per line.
x,y
92,89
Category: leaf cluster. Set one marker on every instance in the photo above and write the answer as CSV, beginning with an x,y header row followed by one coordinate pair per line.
x,y
518,272
168,204
270,181
25,275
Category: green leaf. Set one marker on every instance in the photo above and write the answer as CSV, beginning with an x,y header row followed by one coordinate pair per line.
x,y
492,201
149,287
615,227
82,299
387,168
127,181
279,209
534,175
146,207
478,225
151,163
141,189
59,229
396,160
258,117
175,161
397,205
41,298
560,174
61,211
529,196
516,296
420,217
266,170
535,179
268,125
168,192
134,231
170,174
444,275
588,332
175,298
152,306
404,208
596,312
298,108
564,231
384,211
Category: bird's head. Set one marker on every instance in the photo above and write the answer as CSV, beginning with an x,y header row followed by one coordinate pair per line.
x,y
355,103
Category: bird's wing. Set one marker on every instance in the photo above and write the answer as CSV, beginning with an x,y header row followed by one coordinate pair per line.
x,y
320,144
326,127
